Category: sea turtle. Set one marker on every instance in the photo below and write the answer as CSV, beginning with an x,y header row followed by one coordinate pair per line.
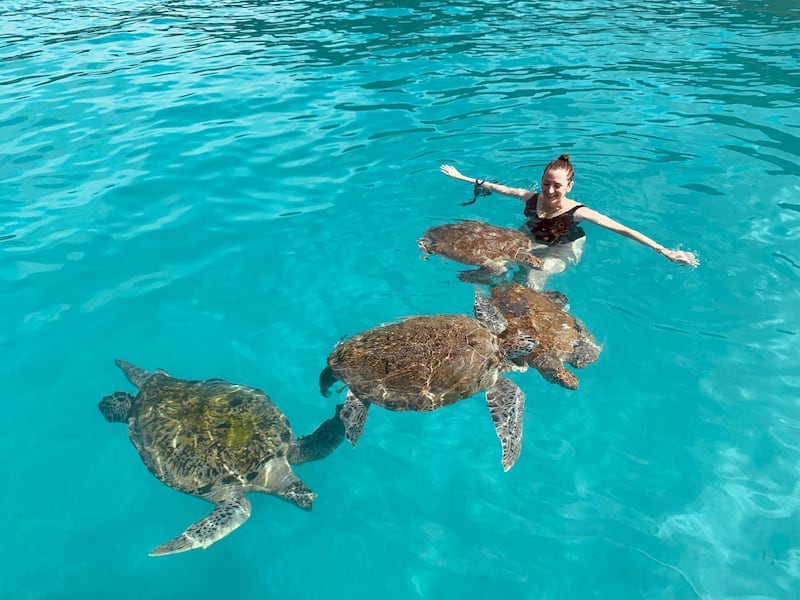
x,y
216,440
423,363
493,249
560,336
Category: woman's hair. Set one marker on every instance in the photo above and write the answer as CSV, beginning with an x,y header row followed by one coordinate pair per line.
x,y
562,162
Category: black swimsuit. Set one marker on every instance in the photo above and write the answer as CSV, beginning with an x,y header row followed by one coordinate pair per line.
x,y
556,230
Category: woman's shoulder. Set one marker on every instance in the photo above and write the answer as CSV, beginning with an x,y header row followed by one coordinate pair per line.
x,y
579,210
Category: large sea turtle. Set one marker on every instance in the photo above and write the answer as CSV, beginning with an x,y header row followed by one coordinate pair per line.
x,y
216,440
493,249
560,336
423,363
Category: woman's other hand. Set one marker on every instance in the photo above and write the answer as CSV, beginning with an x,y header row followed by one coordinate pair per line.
x,y
682,257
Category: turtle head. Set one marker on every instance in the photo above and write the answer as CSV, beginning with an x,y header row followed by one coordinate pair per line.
x,y
326,380
424,244
585,351
116,407
519,345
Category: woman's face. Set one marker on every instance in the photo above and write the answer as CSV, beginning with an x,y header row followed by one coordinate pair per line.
x,y
555,185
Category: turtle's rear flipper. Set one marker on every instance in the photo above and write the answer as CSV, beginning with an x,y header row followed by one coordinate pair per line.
x,y
353,415
116,407
483,275
319,444
226,516
507,405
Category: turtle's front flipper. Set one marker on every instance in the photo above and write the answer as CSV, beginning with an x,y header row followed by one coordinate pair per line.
x,y
552,369
136,375
529,260
319,444
353,415
507,405
116,407
227,515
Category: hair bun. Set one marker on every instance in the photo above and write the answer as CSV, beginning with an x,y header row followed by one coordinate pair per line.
x,y
564,157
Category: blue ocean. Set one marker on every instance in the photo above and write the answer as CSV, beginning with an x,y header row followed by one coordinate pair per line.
x,y
226,189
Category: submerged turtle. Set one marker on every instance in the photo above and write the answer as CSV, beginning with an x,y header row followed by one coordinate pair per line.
x,y
216,440
560,337
426,362
493,249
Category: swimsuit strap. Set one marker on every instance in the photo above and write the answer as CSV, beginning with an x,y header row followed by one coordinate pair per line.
x,y
571,210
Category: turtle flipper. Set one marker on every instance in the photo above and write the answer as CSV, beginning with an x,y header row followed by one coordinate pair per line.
x,y
507,405
488,315
116,407
487,275
298,493
556,296
276,477
552,369
326,380
529,260
136,375
319,444
353,416
227,515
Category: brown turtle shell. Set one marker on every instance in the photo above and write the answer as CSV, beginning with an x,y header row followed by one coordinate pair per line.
x,y
478,243
419,363
561,338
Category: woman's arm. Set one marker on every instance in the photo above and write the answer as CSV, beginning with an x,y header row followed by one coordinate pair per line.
x,y
681,257
520,193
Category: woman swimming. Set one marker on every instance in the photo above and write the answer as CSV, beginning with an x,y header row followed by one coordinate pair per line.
x,y
553,220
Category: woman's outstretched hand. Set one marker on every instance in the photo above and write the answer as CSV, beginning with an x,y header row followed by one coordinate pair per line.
x,y
451,171
682,257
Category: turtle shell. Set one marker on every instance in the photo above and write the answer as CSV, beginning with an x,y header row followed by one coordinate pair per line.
x,y
545,319
198,435
419,363
477,243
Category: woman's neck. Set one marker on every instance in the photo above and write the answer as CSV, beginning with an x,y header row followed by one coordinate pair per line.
x,y
548,208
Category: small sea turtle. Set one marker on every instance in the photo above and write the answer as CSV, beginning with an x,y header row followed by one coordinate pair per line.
x,y
493,249
560,336
426,362
216,440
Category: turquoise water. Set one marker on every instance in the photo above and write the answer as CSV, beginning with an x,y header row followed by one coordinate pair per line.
x,y
226,189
